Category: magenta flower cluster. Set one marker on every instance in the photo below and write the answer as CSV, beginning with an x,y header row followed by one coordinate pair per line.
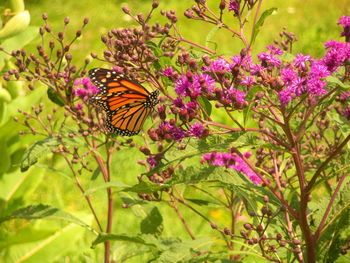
x,y
344,21
168,131
85,89
232,161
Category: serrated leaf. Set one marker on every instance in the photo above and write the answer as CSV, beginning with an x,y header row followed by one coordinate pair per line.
x,y
185,250
337,82
156,50
144,188
37,150
138,239
153,223
342,123
261,21
53,96
212,143
204,102
197,174
222,257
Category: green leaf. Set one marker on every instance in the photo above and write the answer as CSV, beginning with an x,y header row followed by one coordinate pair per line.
x,y
334,81
37,150
138,239
53,248
95,174
26,235
53,96
204,102
250,96
212,143
185,250
197,174
153,223
103,186
144,188
198,201
170,250
210,35
5,160
221,257
342,123
18,42
261,21
337,225
44,212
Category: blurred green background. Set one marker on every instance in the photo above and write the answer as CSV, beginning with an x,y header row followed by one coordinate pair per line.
x,y
312,21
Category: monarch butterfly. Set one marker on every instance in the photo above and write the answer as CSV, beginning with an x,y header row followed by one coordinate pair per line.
x,y
125,101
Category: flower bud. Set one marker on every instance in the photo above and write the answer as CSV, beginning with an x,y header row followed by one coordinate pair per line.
x,y
66,20
155,4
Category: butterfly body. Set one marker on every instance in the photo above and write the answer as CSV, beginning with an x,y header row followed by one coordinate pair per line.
x,y
125,101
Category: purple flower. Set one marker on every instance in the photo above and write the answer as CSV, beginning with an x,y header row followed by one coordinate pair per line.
x,y
190,106
178,102
288,75
79,106
197,130
344,96
318,70
241,61
234,6
248,81
300,61
255,69
336,56
345,22
232,161
206,81
346,112
311,84
182,85
152,161
274,50
88,89
176,133
286,95
269,59
315,87
219,64
185,87
236,95
167,72
297,86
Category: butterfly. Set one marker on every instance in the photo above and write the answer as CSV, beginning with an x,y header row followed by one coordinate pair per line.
x,y
126,102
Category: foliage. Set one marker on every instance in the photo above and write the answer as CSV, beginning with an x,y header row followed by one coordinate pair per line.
x,y
245,158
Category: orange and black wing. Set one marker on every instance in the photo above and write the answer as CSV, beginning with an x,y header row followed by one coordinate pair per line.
x,y
126,102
